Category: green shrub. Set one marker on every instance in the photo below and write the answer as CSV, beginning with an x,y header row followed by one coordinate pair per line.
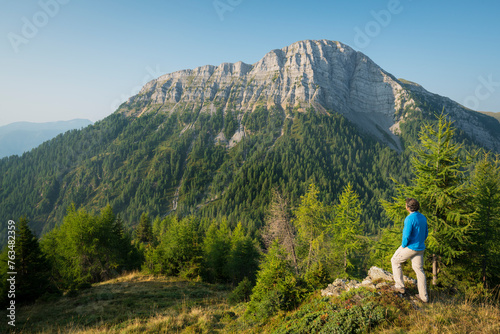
x,y
317,277
277,287
241,293
356,311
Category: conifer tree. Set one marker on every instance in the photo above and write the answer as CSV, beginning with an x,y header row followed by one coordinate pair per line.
x,y
485,250
144,230
33,269
216,248
439,187
243,256
276,287
347,225
86,248
313,221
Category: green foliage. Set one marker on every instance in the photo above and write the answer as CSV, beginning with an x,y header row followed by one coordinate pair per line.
x,y
230,124
143,232
27,260
440,188
216,249
357,312
276,287
243,260
484,251
347,225
88,248
178,251
313,222
317,277
241,293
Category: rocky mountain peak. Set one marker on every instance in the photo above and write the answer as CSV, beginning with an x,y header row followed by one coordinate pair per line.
x,y
321,74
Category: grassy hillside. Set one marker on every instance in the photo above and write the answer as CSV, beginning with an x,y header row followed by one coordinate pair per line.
x,y
137,303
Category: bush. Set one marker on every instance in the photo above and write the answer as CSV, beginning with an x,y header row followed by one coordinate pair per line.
x,y
241,293
277,287
353,312
317,277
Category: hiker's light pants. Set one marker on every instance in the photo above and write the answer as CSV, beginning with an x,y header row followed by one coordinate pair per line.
x,y
417,262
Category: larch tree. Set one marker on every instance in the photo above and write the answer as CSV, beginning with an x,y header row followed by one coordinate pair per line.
x,y
347,225
313,222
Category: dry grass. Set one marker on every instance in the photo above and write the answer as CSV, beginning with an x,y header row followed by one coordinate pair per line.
x,y
137,303
447,315
133,303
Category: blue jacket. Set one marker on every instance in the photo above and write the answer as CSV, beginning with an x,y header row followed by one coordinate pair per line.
x,y
415,231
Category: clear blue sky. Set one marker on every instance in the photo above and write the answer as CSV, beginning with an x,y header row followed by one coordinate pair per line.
x,y
65,59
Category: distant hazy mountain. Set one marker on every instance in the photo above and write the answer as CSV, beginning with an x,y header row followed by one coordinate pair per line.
x,y
19,137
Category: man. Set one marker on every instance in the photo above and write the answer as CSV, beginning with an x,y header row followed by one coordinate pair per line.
x,y
412,247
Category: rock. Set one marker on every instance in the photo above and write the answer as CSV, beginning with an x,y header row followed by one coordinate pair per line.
x,y
376,273
381,284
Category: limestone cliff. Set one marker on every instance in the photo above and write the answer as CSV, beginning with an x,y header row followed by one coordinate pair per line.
x,y
325,75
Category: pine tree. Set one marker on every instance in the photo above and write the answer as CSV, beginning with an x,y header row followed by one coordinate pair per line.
x,y
276,287
216,249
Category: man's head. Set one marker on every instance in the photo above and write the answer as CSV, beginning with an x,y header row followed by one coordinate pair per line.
x,y
412,204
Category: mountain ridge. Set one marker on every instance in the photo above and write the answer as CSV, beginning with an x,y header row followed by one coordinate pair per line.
x,y
325,75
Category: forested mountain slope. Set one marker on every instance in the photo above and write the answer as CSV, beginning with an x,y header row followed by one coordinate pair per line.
x,y
215,140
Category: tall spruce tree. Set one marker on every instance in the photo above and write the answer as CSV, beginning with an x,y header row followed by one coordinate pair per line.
x,y
216,249
440,188
276,286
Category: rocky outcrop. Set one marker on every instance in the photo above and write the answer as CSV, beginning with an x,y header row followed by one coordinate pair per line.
x,y
325,75
376,279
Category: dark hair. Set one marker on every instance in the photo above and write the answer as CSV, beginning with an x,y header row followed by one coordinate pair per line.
x,y
412,204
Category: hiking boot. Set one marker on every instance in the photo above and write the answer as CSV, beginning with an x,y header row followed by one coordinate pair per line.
x,y
400,290
417,297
